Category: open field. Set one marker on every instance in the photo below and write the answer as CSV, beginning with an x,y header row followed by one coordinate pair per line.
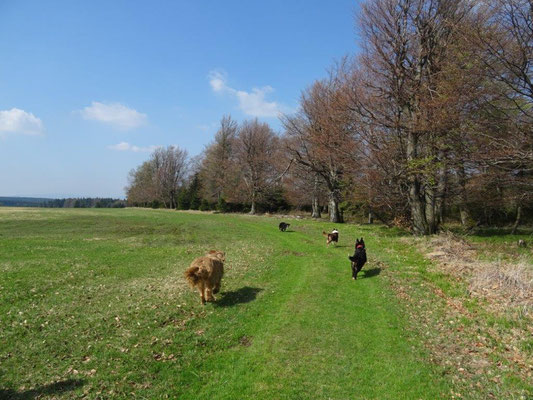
x,y
93,304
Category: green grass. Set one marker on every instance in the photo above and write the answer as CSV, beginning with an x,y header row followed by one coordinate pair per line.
x,y
93,305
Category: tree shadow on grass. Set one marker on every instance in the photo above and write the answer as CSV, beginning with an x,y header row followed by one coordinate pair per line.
x,y
369,273
243,295
51,389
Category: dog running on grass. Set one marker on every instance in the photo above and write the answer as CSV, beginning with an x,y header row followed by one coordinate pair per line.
x,y
205,274
359,257
283,226
331,237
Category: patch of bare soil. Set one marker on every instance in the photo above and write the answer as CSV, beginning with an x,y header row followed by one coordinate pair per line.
x,y
480,336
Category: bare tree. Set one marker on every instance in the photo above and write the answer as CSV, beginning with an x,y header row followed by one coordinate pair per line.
x,y
504,36
320,138
411,53
303,188
170,166
141,189
159,178
257,146
218,167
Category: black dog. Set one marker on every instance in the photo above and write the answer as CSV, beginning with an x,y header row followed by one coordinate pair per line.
x,y
283,226
359,257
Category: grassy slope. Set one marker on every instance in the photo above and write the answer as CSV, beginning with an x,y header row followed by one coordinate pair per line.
x,y
95,300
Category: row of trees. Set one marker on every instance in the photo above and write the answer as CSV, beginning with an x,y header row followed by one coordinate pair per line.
x,y
84,202
433,119
442,92
240,168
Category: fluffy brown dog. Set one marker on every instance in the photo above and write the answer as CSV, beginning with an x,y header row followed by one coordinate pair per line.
x,y
205,274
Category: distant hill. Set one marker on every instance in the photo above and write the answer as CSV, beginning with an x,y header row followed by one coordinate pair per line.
x,y
22,201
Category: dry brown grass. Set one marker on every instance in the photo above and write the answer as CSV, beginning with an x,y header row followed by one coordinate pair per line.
x,y
476,316
504,284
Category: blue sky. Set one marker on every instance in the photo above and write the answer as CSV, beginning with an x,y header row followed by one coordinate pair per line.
x,y
88,88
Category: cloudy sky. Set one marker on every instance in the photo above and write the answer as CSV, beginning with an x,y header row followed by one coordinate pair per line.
x,y
89,88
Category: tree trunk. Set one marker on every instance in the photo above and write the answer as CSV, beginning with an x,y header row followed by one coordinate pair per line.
x,y
416,203
442,187
430,206
315,207
418,215
370,217
252,210
334,214
463,201
315,204
517,220
172,200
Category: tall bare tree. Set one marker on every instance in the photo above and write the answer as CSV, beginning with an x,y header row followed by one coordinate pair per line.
x,y
504,36
320,137
257,149
141,188
170,165
303,188
408,51
218,168
158,178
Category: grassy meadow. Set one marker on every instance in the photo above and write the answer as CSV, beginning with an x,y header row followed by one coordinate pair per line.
x,y
93,305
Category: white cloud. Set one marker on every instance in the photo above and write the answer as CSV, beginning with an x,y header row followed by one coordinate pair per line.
x,y
115,114
20,121
254,103
217,80
251,103
125,146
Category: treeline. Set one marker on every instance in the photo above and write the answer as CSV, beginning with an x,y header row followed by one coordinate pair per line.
x,y
21,201
432,120
238,172
86,202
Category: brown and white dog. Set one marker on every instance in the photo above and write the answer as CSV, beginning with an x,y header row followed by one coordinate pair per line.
x,y
331,237
205,274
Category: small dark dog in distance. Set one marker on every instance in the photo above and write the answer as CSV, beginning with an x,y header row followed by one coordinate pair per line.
x,y
359,257
522,243
283,226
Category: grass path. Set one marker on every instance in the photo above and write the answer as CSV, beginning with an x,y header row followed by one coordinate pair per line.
x,y
93,305
323,335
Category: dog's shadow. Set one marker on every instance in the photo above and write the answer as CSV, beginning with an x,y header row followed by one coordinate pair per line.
x,y
243,295
369,273
51,389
